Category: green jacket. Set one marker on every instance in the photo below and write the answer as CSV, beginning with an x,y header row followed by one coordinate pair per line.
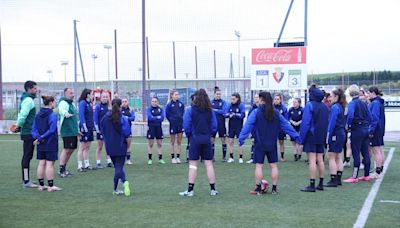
x,y
26,115
69,126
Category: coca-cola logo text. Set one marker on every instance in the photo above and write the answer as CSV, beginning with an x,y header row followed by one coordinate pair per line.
x,y
291,55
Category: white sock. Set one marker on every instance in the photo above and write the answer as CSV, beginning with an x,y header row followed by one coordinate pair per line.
x,y
87,163
374,164
98,161
80,164
108,160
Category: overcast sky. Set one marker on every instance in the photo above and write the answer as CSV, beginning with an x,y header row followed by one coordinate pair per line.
x,y
357,35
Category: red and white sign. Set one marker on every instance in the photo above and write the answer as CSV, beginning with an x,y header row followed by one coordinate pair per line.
x,y
279,68
286,55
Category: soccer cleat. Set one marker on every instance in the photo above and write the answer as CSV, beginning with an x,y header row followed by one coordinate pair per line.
x,y
110,165
150,162
346,164
89,168
178,161
186,193
162,162
53,189
223,160
255,193
274,192
128,162
117,192
231,160
375,176
41,188
81,170
372,170
249,161
214,192
127,190
240,161
308,189
30,184
282,159
351,180
99,166
364,178
331,184
173,161
320,188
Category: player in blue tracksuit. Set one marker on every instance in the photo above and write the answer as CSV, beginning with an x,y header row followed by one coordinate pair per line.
x,y
219,107
200,123
253,107
377,128
236,114
116,130
266,122
155,117
44,132
86,127
130,115
99,112
336,136
313,131
174,114
278,104
358,122
295,115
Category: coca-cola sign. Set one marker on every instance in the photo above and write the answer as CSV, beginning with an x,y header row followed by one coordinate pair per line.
x,y
287,55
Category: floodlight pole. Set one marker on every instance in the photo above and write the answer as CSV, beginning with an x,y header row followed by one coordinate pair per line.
x,y
144,97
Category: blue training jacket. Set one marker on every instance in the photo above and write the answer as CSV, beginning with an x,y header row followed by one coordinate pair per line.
x,y
377,109
266,131
358,115
174,112
45,130
238,112
336,121
85,114
295,114
282,109
314,126
129,114
100,111
199,124
155,116
220,108
115,135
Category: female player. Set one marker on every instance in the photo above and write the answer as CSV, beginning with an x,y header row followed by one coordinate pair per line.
x,y
358,121
200,123
174,114
100,111
155,116
313,131
377,128
126,111
219,107
295,116
236,115
278,100
266,122
347,145
336,136
116,131
44,132
254,107
86,125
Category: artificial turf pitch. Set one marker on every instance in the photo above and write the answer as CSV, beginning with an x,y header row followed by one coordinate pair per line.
x,y
86,199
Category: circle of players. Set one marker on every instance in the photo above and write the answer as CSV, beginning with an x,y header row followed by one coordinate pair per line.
x,y
351,121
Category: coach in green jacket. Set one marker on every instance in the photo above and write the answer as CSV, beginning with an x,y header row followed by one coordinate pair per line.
x,y
69,129
26,116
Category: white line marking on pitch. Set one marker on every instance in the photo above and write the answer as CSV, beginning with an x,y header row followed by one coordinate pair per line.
x,y
389,201
369,201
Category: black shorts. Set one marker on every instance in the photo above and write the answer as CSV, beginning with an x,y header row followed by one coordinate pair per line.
x,y
70,142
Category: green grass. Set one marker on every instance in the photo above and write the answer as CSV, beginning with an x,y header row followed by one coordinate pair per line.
x,y
86,200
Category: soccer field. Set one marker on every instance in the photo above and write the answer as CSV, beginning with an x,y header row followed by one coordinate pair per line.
x,y
86,199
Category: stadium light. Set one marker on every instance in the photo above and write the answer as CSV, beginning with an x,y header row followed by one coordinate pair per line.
x,y
238,35
65,63
94,57
108,47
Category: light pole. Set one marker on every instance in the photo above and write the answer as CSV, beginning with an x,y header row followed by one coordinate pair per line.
x,y
50,72
65,63
94,57
108,47
237,34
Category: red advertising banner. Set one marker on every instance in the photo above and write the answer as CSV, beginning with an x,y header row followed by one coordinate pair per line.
x,y
284,55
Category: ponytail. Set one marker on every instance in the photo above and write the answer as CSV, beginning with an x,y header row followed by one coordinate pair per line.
x,y
116,110
341,97
269,108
